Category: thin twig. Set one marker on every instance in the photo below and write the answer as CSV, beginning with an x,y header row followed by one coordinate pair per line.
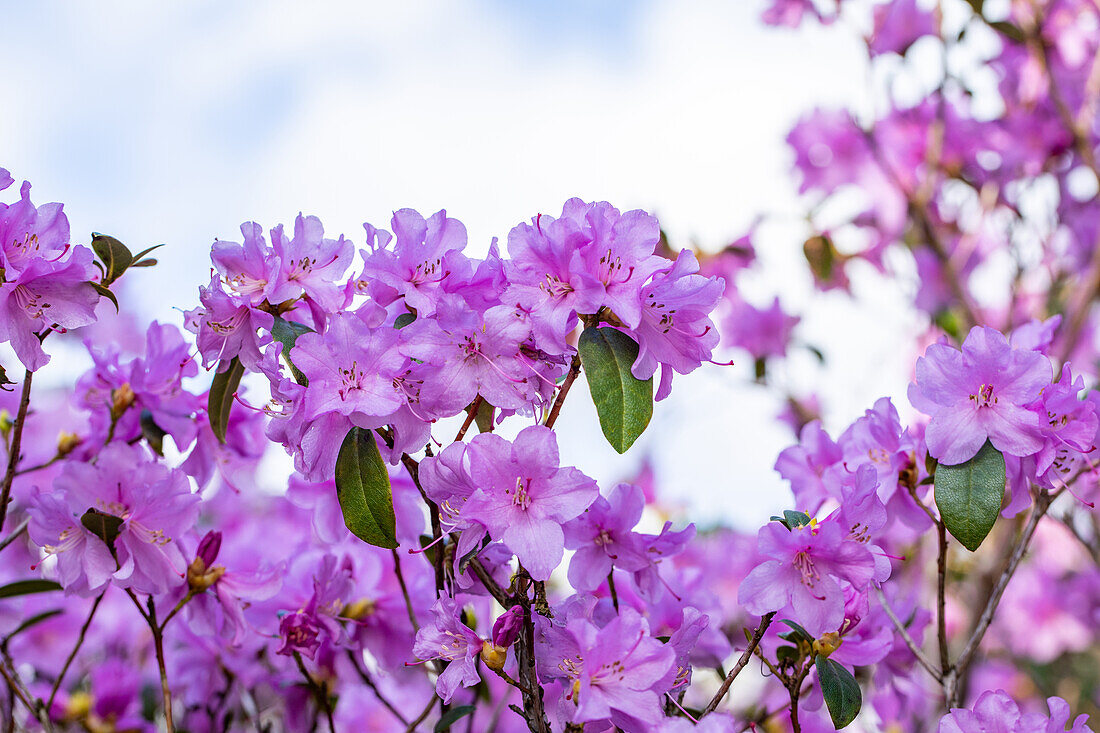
x,y
570,377
941,600
73,653
374,688
420,718
405,589
905,635
1042,503
15,533
765,621
14,448
320,691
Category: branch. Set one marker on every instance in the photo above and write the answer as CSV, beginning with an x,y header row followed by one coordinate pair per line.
x,y
1042,503
16,444
905,635
570,377
73,653
744,660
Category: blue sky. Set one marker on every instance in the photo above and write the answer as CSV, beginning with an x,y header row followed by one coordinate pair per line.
x,y
175,122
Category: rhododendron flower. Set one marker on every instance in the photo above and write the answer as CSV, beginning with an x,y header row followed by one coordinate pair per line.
x,y
603,538
524,496
996,711
228,327
980,393
447,638
155,506
802,572
611,673
675,330
426,252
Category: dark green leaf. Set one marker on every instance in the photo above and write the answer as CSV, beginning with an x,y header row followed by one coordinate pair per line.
x,y
105,292
114,255
404,319
287,333
840,690
104,526
465,560
220,400
147,262
623,402
485,417
152,432
34,621
141,256
969,495
797,633
27,587
821,255
792,519
452,716
363,489
787,655
760,368
4,381
1008,30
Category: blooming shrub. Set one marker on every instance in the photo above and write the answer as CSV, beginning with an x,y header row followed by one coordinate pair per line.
x,y
431,563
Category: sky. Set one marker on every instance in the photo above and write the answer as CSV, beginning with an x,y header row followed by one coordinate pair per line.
x,y
175,122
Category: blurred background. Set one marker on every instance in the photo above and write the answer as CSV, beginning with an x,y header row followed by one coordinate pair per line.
x,y
175,122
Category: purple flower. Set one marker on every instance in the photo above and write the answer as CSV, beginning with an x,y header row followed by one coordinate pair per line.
x,y
469,353
352,369
761,332
228,326
996,711
316,621
507,627
979,394
45,293
675,330
446,637
427,251
603,538
155,505
524,496
611,673
310,264
806,464
251,270
898,24
802,572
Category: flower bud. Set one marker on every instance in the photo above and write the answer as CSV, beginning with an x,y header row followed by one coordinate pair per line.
x,y
121,400
199,578
78,706
507,627
5,422
67,443
358,610
494,656
827,644
209,547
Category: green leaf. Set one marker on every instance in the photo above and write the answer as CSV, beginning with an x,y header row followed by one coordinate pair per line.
x,y
140,257
114,255
623,402
797,633
787,655
152,432
220,399
404,319
363,489
27,587
792,519
485,417
969,495
840,690
104,526
287,333
147,262
105,292
34,621
452,716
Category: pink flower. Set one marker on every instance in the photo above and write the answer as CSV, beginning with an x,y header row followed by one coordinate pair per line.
x,y
980,393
